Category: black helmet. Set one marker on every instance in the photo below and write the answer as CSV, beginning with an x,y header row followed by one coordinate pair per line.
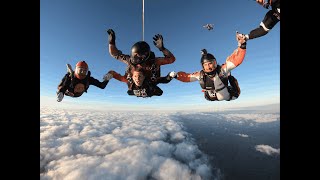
x,y
207,57
140,52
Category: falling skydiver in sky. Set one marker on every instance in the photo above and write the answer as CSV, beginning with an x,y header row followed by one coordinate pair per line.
x,y
208,26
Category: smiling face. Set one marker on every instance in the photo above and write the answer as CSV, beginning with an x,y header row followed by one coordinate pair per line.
x,y
81,72
138,77
209,66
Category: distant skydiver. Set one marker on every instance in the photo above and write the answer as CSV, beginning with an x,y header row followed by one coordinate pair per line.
x,y
208,26
271,18
142,56
75,83
214,78
140,86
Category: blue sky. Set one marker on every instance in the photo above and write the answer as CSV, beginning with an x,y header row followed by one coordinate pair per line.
x,y
75,30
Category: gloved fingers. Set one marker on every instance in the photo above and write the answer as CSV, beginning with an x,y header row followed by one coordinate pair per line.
x,y
60,96
110,31
156,37
172,74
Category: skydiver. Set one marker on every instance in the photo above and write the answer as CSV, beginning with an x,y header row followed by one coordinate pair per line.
x,y
142,56
140,86
75,83
208,26
214,78
271,18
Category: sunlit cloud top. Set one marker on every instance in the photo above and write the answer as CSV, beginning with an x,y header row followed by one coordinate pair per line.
x,y
243,135
261,118
116,145
266,149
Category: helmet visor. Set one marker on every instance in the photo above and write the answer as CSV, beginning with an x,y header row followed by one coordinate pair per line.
x,y
138,59
82,71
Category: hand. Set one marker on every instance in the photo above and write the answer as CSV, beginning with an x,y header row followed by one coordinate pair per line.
x,y
69,68
241,38
111,37
158,42
107,77
264,3
60,96
173,74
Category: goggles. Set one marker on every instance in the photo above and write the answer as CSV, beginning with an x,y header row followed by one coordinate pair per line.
x,y
138,59
81,70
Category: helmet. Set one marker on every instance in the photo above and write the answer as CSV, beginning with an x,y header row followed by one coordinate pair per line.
x,y
207,57
140,52
81,70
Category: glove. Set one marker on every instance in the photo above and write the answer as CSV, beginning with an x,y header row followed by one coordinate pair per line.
x,y
242,40
111,37
60,96
266,4
173,74
107,77
158,42
69,69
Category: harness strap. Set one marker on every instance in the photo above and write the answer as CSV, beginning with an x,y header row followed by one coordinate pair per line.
x,y
217,90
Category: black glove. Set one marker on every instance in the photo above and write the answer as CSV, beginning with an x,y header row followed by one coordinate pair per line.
x,y
158,42
112,37
266,5
60,96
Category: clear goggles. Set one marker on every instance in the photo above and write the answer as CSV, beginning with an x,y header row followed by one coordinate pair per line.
x,y
81,70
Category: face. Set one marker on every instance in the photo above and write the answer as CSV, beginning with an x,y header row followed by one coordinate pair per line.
x,y
138,78
81,72
79,88
208,67
138,58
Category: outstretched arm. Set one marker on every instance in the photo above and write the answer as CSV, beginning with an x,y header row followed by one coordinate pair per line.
x,y
168,78
113,50
237,57
117,54
97,83
167,59
270,20
64,83
187,77
168,56
118,76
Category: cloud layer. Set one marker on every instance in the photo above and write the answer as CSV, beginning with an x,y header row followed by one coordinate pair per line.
x,y
267,149
258,117
118,145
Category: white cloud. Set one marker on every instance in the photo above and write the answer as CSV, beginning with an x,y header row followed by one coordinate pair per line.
x,y
243,135
259,117
117,145
267,149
